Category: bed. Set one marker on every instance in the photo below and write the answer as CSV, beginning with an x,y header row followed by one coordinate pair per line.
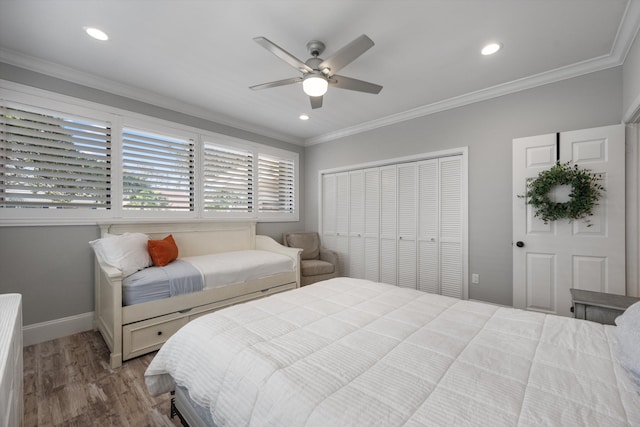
x,y
139,305
354,352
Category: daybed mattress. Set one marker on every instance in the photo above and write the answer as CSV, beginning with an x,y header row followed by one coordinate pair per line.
x,y
192,274
176,278
354,352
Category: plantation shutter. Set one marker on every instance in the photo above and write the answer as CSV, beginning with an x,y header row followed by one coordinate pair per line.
x,y
276,187
53,160
228,179
158,172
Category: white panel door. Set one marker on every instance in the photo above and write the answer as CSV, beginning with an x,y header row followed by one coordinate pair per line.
x,y
451,227
356,224
407,217
428,227
342,222
329,211
551,258
388,225
372,224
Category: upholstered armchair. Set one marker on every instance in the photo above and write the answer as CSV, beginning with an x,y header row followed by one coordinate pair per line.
x,y
316,263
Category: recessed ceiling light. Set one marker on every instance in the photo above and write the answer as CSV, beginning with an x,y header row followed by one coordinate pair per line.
x,y
491,48
304,117
96,33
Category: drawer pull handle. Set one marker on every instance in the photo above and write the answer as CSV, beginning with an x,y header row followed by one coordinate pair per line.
x,y
159,332
265,290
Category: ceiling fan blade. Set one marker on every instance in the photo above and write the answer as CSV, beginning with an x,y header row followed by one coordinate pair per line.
x,y
346,55
343,82
316,101
283,54
277,83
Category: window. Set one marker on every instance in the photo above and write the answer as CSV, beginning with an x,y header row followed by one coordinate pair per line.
x,y
53,161
276,183
157,172
64,160
228,179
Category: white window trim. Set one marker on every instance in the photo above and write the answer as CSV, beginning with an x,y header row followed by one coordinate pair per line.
x,y
45,100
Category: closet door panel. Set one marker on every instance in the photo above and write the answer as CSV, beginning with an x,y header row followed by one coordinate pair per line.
x,y
407,225
451,268
329,211
372,224
342,222
428,224
388,257
388,225
356,224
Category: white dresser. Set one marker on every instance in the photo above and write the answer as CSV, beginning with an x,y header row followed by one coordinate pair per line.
x,y
11,412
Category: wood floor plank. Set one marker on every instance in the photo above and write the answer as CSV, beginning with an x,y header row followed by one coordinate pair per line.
x,y
68,382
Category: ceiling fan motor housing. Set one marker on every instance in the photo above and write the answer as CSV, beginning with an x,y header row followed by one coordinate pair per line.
x,y
315,47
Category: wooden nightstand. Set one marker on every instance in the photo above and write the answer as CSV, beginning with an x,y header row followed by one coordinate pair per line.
x,y
599,306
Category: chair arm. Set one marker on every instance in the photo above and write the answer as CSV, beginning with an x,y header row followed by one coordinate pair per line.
x,y
329,256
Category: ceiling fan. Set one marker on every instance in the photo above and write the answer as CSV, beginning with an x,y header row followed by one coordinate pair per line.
x,y
318,73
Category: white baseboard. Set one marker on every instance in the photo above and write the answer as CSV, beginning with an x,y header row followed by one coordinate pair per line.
x,y
58,328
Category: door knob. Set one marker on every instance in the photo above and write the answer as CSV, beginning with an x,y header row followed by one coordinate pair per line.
x,y
519,244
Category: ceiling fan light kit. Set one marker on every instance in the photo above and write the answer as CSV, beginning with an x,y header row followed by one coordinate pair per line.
x,y
317,73
314,85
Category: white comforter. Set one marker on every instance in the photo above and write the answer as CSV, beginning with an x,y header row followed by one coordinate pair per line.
x,y
353,352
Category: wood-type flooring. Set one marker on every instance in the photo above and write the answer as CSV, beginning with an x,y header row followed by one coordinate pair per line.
x,y
68,382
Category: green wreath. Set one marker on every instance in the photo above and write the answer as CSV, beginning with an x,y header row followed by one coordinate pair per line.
x,y
585,193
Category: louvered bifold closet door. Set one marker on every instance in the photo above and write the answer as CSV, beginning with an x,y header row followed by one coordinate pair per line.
x,y
372,224
53,160
388,225
428,227
228,186
407,206
451,266
329,182
356,224
342,222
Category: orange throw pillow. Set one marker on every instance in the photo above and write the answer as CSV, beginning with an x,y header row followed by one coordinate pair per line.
x,y
163,251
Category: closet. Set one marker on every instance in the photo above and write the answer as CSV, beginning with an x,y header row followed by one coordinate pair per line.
x,y
402,223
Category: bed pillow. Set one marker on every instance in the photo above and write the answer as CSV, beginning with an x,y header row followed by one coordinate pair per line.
x,y
627,334
163,251
127,252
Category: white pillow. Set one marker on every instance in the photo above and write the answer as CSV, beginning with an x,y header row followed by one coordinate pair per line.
x,y
127,252
627,334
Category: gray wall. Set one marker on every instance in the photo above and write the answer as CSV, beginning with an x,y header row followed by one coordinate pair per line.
x,y
487,128
52,266
631,77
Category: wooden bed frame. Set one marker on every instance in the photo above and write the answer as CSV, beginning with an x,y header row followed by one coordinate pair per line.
x,y
134,330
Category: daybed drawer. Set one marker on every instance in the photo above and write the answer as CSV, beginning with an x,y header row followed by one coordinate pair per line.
x,y
210,308
142,337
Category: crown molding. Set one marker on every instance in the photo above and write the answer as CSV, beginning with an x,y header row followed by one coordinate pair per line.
x,y
525,83
86,79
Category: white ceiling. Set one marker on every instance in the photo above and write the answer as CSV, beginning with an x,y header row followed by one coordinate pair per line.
x,y
198,57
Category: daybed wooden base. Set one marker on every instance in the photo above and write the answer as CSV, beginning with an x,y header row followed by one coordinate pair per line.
x,y
138,329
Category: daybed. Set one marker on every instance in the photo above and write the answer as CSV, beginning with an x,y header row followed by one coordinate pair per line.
x,y
133,330
349,352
